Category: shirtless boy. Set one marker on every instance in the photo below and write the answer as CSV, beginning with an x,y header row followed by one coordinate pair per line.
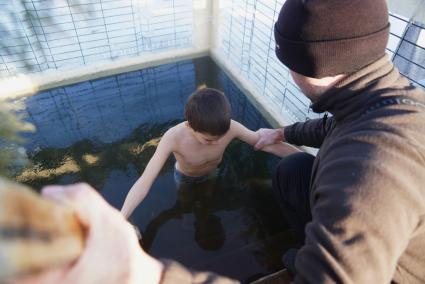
x,y
197,144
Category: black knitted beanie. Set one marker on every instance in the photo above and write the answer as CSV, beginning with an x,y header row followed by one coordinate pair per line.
x,y
320,38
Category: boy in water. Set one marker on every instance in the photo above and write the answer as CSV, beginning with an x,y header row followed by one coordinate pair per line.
x,y
198,144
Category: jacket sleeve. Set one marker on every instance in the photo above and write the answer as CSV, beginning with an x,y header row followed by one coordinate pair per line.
x,y
176,273
310,133
365,209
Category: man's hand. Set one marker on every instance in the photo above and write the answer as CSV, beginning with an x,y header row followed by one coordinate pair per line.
x,y
112,253
269,137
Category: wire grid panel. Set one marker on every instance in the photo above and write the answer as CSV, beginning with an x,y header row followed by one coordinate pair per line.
x,y
247,42
37,35
407,41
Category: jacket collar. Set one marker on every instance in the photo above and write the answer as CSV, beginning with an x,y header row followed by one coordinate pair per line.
x,y
349,97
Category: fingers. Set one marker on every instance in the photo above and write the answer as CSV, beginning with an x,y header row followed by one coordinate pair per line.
x,y
261,142
87,203
110,241
112,253
259,145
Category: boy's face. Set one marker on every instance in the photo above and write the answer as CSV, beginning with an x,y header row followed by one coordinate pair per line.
x,y
205,138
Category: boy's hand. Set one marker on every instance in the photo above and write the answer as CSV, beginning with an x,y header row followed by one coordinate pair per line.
x,y
112,253
269,137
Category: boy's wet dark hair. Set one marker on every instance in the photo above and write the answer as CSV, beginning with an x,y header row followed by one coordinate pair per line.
x,y
208,111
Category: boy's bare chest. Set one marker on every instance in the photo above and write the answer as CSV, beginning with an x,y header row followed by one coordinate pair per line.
x,y
196,155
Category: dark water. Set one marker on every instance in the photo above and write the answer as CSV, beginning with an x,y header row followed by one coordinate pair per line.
x,y
104,132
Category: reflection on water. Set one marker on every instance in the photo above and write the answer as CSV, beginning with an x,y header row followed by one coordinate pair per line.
x,y
200,200
105,131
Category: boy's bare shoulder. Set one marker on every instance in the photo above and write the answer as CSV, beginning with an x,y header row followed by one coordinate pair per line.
x,y
175,132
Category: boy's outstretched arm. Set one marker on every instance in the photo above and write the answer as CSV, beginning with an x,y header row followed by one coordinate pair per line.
x,y
142,186
250,137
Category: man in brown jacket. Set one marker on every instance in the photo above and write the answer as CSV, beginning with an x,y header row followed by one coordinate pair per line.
x,y
358,206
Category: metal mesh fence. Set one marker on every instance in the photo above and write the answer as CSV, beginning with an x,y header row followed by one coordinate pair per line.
x,y
407,47
37,35
247,42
